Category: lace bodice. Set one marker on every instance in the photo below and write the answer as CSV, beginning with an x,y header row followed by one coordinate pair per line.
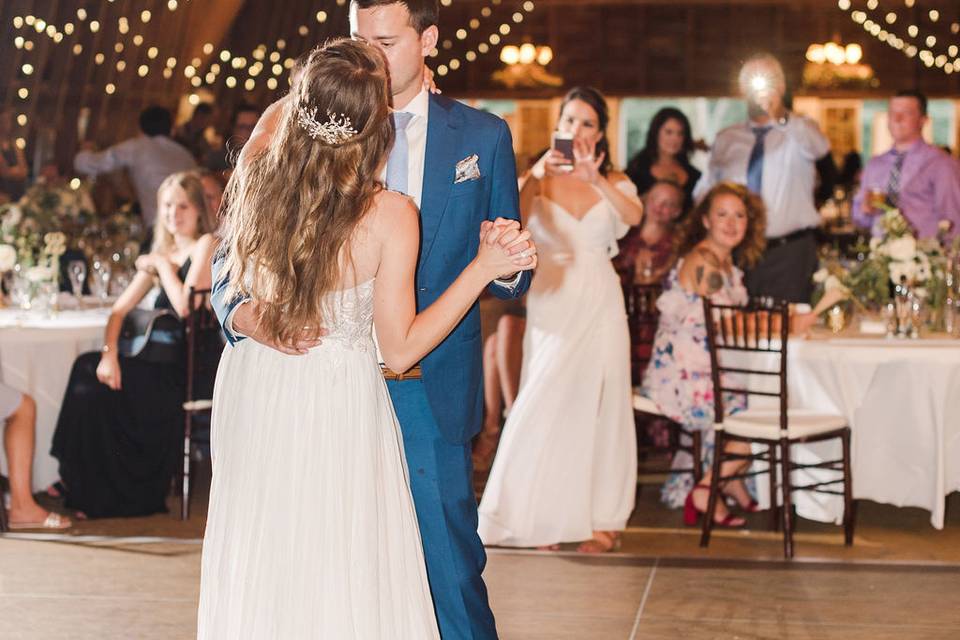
x,y
349,314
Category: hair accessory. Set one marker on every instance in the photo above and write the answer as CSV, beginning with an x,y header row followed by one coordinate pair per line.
x,y
336,130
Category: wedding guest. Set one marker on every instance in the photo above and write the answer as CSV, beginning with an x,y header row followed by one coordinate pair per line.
x,y
774,154
666,155
566,467
119,432
192,133
720,238
221,161
502,359
149,158
917,178
212,191
13,163
19,412
646,252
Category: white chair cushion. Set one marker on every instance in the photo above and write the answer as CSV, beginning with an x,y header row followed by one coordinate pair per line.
x,y
765,423
645,405
198,405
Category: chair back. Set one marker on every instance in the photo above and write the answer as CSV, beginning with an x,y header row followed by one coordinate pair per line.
x,y
642,319
204,341
753,339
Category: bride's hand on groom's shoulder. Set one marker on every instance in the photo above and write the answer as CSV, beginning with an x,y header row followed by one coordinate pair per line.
x,y
246,322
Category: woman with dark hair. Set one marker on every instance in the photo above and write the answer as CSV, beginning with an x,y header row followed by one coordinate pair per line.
x,y
666,155
720,238
566,468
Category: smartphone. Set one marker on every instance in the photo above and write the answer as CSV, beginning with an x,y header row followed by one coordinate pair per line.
x,y
563,142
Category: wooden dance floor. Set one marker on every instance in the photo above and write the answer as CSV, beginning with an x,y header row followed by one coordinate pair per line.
x,y
144,590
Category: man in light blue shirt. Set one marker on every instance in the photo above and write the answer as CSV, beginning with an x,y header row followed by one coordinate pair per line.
x,y
774,153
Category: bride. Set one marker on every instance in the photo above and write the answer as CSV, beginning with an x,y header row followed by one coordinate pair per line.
x,y
311,531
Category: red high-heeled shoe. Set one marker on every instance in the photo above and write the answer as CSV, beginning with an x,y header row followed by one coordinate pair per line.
x,y
751,507
691,514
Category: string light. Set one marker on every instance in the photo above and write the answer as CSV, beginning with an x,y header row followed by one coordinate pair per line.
x,y
923,45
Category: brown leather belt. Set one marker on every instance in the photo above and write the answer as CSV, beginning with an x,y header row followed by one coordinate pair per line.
x,y
413,373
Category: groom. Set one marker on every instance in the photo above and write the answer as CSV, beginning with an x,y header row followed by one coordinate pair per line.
x,y
457,164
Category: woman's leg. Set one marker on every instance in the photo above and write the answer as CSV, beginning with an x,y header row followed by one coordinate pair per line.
x,y
18,441
510,356
486,442
732,488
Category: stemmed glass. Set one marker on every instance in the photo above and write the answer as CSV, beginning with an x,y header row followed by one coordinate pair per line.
x,y
103,272
77,270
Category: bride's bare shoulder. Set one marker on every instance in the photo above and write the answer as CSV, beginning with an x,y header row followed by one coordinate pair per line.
x,y
394,213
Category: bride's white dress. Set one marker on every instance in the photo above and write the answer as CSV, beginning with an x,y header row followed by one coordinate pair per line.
x,y
566,464
311,530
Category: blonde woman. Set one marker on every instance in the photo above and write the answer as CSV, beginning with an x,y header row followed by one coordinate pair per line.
x,y
120,424
311,530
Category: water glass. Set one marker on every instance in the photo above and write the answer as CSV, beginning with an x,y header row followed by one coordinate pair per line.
x,y
77,269
101,280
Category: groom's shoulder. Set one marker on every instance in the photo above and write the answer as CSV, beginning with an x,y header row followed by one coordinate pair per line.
x,y
470,116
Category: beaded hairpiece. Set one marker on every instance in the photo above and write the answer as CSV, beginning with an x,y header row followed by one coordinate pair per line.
x,y
336,130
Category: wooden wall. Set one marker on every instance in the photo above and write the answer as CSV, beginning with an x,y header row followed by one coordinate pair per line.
x,y
624,47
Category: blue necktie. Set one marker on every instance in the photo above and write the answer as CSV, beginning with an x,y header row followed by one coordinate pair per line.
x,y
397,163
755,166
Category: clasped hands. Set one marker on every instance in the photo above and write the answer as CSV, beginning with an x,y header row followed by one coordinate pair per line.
x,y
505,250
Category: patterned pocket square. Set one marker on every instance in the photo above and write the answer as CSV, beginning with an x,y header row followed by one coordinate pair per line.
x,y
467,170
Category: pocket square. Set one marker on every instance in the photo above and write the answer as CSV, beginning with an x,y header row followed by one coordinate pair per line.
x,y
467,170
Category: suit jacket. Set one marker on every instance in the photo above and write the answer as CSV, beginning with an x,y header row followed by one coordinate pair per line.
x,y
450,218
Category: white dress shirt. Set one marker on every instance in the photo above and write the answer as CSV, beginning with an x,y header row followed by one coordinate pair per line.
x,y
148,160
790,152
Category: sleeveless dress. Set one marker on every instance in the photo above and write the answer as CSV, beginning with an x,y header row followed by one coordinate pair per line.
x,y
118,450
311,530
567,461
678,376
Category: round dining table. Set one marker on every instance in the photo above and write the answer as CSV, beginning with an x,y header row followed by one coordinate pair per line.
x,y
901,398
37,351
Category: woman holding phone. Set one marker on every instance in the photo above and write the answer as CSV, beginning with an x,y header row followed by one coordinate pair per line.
x,y
566,467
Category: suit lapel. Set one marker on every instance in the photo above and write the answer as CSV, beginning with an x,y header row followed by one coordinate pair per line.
x,y
439,166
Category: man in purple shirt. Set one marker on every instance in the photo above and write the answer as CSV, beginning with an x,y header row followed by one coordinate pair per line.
x,y
917,178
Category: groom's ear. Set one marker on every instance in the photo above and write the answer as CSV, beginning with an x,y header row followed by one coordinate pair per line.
x,y
429,39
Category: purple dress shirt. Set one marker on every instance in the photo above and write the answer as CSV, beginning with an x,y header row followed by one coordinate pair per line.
x,y
929,188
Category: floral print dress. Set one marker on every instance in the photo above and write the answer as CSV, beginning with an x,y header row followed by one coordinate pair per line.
x,y
678,376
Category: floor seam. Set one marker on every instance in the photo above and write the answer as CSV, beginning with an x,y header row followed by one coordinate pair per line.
x,y
643,600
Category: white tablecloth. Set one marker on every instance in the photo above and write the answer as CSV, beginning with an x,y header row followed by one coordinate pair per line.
x,y
902,400
36,354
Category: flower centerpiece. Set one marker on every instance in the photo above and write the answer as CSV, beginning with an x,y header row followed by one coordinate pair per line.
x,y
894,258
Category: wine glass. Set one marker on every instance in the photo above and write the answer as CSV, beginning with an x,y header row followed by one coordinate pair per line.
x,y
77,269
104,272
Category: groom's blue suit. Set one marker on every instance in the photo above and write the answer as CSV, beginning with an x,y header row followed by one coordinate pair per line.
x,y
440,413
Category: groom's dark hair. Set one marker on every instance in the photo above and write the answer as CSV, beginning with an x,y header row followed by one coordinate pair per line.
x,y
423,13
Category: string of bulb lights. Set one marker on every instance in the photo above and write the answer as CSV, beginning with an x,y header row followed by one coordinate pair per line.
x,y
882,24
235,71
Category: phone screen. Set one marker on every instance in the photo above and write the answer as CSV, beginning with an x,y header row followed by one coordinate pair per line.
x,y
564,144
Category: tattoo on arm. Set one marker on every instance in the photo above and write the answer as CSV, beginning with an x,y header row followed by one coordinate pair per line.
x,y
714,282
698,277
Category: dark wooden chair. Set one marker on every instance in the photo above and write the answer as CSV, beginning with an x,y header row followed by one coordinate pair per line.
x,y
204,344
4,486
642,319
753,342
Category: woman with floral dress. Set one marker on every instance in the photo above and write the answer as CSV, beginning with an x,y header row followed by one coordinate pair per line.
x,y
724,234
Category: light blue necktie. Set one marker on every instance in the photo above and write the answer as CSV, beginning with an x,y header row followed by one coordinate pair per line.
x,y
755,166
397,163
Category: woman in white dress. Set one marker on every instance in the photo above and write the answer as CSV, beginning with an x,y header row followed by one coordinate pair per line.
x,y
566,468
311,531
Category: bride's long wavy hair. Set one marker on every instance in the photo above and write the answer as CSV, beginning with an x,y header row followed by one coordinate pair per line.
x,y
292,209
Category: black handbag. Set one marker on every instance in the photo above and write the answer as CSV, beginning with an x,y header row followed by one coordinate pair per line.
x,y
151,335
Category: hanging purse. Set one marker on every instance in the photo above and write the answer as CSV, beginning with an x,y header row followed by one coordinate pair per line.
x,y
152,335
